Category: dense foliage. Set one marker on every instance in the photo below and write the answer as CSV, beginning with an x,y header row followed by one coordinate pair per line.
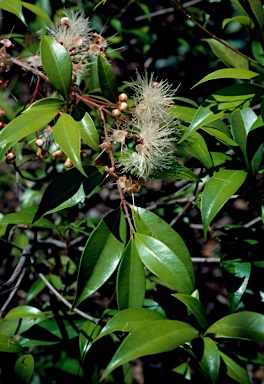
x,y
124,194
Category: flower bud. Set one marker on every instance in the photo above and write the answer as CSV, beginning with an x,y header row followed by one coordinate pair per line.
x,y
116,112
57,153
39,143
122,97
83,155
42,153
122,106
10,158
68,163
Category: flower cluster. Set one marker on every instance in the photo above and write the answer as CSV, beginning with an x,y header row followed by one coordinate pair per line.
x,y
76,35
153,127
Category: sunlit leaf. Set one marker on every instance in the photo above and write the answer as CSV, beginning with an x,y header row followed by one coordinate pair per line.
x,y
101,255
131,281
7,344
88,132
217,191
160,336
231,73
14,6
23,311
242,325
57,64
23,369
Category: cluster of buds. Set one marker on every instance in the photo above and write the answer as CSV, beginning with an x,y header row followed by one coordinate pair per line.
x,y
122,105
10,157
5,58
98,46
130,186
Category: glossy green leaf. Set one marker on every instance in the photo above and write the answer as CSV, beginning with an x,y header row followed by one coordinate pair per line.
x,y
227,55
18,325
57,64
34,290
220,136
148,223
161,336
38,11
241,122
210,361
164,263
235,370
101,255
196,146
23,369
34,118
176,171
220,158
107,79
256,7
66,133
217,191
129,320
244,20
25,218
131,281
231,73
88,333
59,190
224,101
14,6
195,306
7,344
183,113
23,311
236,274
88,132
242,325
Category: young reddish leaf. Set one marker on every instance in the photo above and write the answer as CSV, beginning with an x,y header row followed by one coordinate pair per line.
x,y
23,369
101,255
217,191
131,280
164,263
31,120
154,337
242,325
57,64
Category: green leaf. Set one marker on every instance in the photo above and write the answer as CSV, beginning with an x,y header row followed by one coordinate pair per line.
x,y
157,337
210,361
183,113
148,223
38,11
57,64
34,118
34,290
224,101
164,263
67,135
217,191
14,6
227,55
7,344
88,132
234,370
229,73
241,122
25,218
220,136
59,190
242,325
196,146
236,274
25,311
131,281
88,333
23,369
107,79
101,255
129,320
18,326
195,306
176,171
244,20
220,158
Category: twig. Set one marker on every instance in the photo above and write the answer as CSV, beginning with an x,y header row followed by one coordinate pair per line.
x,y
30,69
205,260
12,294
65,302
